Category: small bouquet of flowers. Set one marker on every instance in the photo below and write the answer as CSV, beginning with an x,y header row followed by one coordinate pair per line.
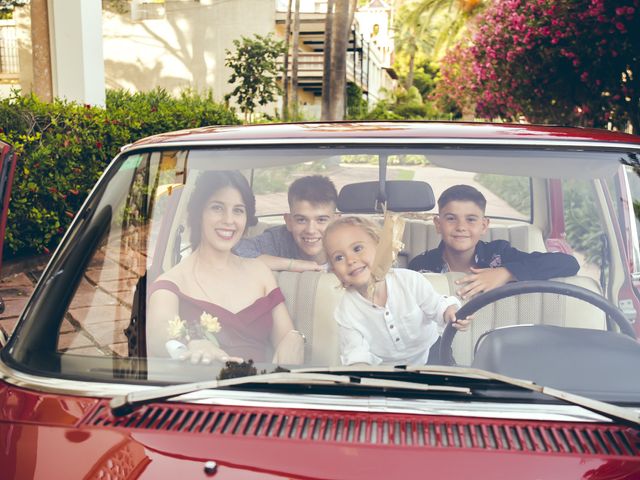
x,y
209,325
178,331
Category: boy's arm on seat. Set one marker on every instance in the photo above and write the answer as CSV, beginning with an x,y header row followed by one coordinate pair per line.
x,y
290,264
538,265
508,264
482,280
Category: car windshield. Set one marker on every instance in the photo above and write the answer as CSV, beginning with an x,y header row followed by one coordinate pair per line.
x,y
137,278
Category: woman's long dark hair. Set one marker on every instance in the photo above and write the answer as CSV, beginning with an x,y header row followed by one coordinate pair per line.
x,y
206,185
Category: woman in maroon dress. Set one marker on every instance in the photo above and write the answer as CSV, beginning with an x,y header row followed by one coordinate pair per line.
x,y
215,305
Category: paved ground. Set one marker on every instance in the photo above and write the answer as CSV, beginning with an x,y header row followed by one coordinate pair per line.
x,y
17,281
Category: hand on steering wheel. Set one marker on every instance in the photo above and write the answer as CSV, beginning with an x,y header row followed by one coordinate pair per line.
x,y
533,286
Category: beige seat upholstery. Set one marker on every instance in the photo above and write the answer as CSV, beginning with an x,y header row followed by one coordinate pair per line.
x,y
311,298
421,235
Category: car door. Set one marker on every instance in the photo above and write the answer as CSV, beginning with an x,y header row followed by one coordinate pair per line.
x,y
629,180
626,187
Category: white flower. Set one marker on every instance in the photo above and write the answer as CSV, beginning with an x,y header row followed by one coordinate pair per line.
x,y
177,327
210,323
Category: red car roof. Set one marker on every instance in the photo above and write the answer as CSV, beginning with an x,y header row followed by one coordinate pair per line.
x,y
391,130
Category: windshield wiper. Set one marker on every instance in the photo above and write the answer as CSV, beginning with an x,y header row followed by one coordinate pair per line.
x,y
125,404
625,416
353,376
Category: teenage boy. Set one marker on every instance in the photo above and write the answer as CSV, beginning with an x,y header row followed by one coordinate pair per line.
x,y
461,222
297,245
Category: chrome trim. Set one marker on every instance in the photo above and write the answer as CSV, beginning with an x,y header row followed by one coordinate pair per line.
x,y
283,142
230,398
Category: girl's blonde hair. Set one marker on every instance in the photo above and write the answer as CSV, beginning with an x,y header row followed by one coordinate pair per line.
x,y
370,228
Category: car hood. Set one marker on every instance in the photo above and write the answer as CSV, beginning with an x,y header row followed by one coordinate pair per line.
x,y
79,438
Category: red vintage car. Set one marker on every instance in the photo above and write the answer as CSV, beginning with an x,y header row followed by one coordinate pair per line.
x,y
105,378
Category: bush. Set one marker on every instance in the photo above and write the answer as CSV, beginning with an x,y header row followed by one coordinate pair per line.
x,y
582,233
356,103
509,189
63,148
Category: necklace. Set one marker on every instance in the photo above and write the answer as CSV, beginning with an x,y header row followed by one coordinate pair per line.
x,y
195,277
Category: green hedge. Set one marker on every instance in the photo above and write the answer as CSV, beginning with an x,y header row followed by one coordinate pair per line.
x,y
63,148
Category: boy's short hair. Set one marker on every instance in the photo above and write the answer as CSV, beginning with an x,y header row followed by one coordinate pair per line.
x,y
315,189
462,193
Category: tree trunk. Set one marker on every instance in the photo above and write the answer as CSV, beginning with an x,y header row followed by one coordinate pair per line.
x,y
326,66
412,62
635,121
294,60
285,76
338,72
634,105
41,51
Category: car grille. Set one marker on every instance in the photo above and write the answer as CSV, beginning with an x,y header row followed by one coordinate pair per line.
x,y
382,429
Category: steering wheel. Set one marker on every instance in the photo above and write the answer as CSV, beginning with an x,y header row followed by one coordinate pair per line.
x,y
531,286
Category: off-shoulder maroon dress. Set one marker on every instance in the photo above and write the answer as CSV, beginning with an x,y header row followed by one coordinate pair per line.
x,y
245,334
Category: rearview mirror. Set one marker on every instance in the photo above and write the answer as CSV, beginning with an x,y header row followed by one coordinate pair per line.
x,y
401,196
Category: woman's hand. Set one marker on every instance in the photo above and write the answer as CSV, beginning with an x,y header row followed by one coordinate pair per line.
x,y
290,350
205,352
450,317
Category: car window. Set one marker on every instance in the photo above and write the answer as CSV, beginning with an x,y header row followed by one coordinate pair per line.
x,y
101,307
633,179
583,232
508,196
137,232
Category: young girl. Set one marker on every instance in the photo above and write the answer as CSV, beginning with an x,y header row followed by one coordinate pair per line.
x,y
398,323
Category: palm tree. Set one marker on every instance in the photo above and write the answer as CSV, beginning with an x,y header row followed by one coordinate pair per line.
x,y
458,13
287,48
412,37
342,18
326,63
294,59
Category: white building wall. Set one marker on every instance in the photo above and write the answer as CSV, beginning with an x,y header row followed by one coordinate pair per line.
x,y
374,25
76,50
185,49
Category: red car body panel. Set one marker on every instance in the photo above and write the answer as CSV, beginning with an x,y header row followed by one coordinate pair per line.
x,y
391,130
55,436
50,435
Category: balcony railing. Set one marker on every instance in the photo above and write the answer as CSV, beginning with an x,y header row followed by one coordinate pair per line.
x,y
311,66
9,66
